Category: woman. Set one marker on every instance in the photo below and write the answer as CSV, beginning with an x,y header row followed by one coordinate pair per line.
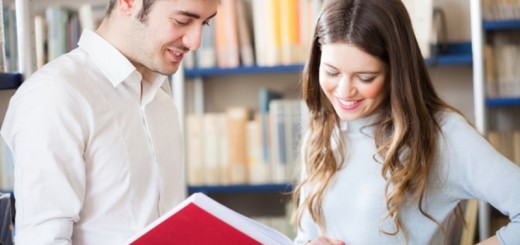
x,y
386,161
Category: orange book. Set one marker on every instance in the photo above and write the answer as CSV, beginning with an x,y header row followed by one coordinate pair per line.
x,y
201,220
226,35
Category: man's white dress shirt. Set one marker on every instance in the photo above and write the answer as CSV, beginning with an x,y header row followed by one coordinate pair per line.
x,y
98,152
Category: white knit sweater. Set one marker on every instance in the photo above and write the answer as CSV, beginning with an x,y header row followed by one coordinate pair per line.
x,y
467,167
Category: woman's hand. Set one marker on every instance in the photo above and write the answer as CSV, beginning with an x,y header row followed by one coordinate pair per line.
x,y
325,241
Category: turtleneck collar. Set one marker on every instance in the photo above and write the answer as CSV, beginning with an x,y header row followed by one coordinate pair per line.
x,y
352,126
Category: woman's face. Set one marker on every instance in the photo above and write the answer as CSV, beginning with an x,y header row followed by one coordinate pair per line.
x,y
352,80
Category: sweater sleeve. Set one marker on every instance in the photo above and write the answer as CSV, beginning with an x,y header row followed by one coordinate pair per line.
x,y
479,171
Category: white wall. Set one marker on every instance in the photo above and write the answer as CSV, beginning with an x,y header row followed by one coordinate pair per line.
x,y
457,18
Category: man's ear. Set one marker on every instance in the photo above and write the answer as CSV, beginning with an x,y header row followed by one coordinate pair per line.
x,y
126,7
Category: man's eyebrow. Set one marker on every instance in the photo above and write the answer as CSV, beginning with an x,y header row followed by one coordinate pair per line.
x,y
194,15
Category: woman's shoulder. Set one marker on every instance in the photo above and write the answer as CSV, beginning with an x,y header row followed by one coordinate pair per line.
x,y
452,119
456,126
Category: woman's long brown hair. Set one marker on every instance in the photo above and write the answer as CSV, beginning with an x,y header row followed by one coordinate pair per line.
x,y
407,129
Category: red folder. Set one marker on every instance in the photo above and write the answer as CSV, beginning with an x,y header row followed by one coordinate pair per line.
x,y
201,220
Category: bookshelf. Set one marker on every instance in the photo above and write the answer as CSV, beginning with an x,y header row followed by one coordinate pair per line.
x,y
206,72
203,81
456,54
459,54
497,25
219,189
26,11
485,23
498,102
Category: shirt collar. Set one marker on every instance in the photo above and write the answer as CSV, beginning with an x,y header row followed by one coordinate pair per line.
x,y
116,67
112,63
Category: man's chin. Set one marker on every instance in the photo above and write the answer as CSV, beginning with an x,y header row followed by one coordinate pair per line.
x,y
170,70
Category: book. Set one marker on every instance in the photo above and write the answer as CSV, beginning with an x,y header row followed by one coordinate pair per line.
x,y
194,144
257,170
57,18
245,41
278,151
470,216
91,15
236,133
226,35
265,96
290,42
206,56
211,146
40,40
10,37
201,220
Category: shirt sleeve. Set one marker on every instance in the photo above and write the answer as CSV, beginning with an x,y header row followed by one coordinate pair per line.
x,y
45,130
483,173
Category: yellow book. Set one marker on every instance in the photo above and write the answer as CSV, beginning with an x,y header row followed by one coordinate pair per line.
x,y
194,146
237,118
290,31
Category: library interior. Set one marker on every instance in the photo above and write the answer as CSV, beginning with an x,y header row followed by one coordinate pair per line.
x,y
239,95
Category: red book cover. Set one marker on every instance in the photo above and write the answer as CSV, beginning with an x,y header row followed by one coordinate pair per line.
x,y
201,220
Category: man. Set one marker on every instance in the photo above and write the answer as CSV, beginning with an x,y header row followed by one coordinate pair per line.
x,y
95,135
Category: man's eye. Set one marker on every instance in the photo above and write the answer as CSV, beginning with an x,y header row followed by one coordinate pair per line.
x,y
182,23
208,22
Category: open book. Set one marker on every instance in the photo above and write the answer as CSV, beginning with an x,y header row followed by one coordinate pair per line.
x,y
201,220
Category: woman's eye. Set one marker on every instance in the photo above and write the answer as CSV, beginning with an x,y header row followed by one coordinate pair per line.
x,y
331,74
367,79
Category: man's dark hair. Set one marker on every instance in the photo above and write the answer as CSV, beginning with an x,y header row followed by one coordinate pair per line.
x,y
143,15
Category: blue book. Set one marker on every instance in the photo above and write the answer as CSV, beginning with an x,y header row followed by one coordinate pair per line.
x,y
265,96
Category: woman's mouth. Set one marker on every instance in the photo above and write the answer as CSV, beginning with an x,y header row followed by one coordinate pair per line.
x,y
348,104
